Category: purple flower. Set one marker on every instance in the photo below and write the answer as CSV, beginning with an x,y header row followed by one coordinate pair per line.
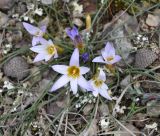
x,y
108,55
75,36
36,32
85,57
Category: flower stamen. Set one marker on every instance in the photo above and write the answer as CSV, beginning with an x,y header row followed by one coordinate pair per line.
x,y
51,49
110,58
73,71
98,83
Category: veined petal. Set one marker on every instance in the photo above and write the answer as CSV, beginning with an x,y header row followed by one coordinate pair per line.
x,y
39,49
60,82
84,70
98,59
109,49
60,69
74,86
83,83
39,57
74,61
30,28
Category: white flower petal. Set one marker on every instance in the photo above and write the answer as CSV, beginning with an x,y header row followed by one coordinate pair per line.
x,y
48,57
102,75
95,93
39,57
84,70
109,49
60,69
103,92
60,82
43,41
98,59
74,86
74,61
50,42
30,28
39,49
83,83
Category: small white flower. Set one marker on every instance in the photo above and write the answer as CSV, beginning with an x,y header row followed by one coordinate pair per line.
x,y
72,73
152,126
77,8
45,51
8,46
120,109
8,85
98,86
104,124
39,11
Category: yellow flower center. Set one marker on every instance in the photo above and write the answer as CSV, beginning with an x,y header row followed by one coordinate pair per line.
x,y
50,49
110,58
98,82
73,71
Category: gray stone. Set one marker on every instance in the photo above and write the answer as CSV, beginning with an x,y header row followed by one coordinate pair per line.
x,y
126,81
6,4
153,108
16,67
3,19
144,58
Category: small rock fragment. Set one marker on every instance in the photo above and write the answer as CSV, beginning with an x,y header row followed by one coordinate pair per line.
x,y
87,109
153,20
131,128
153,108
144,58
37,75
16,67
126,81
6,4
139,120
3,19
103,110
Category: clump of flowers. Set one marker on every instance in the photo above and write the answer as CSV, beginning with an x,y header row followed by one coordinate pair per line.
x,y
74,73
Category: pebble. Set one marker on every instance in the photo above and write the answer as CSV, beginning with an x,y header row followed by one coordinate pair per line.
x,y
3,19
6,4
144,58
16,67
